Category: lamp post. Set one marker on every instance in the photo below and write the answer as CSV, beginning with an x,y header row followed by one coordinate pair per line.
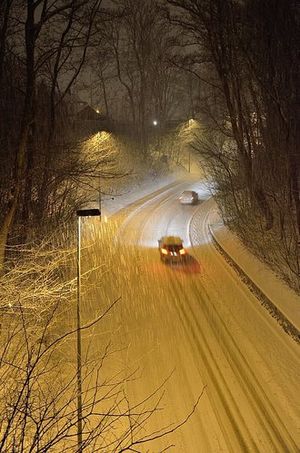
x,y
156,125
100,196
80,213
191,123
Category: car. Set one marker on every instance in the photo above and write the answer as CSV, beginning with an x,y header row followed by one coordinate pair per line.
x,y
171,249
188,197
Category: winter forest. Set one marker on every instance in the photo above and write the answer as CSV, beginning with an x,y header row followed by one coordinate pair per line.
x,y
72,74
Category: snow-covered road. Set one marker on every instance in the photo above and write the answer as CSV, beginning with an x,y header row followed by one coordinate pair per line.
x,y
200,325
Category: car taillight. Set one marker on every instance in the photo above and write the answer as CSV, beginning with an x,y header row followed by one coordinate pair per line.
x,y
182,252
164,251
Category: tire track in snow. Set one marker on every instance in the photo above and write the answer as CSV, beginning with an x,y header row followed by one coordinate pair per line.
x,y
143,220
272,428
215,377
137,235
247,380
263,408
259,401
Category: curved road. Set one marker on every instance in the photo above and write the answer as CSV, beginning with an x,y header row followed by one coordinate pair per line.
x,y
197,327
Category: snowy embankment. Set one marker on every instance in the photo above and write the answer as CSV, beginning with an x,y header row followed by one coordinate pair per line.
x,y
281,301
129,195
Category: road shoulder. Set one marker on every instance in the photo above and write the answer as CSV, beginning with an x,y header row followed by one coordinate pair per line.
x,y
281,301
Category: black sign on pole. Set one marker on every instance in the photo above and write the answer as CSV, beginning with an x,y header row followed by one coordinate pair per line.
x,y
88,212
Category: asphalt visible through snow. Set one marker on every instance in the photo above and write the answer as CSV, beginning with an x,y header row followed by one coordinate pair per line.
x,y
189,330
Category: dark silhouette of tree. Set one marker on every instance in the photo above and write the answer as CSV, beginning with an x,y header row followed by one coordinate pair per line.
x,y
249,48
69,26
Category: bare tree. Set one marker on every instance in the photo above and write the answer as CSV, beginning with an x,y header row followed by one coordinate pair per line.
x,y
138,38
251,80
74,24
39,393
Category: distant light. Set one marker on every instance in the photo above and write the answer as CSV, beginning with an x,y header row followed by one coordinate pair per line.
x,y
97,110
155,122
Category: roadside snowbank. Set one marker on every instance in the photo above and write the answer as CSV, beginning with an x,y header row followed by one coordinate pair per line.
x,y
281,301
113,203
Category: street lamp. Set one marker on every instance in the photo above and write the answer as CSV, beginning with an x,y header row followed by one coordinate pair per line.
x,y
155,124
191,124
88,212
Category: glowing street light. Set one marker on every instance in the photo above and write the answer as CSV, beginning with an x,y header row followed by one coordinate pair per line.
x,y
155,122
84,212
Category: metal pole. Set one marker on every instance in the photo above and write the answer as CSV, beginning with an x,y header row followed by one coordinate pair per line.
x,y
100,197
79,377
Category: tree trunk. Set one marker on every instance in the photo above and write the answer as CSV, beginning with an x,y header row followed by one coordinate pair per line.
x,y
27,123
